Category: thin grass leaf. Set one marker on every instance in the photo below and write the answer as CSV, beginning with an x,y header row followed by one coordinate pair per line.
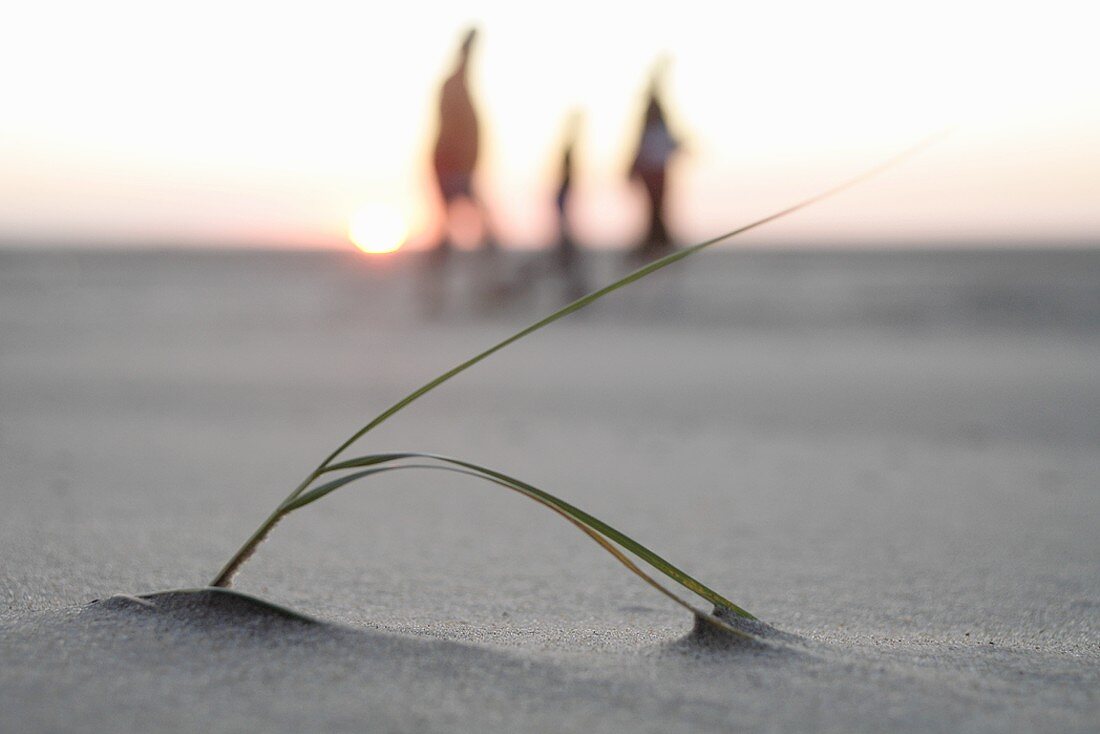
x,y
688,582
328,487
225,576
526,490
622,282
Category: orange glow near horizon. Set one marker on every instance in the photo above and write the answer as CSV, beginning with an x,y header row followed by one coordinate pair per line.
x,y
377,228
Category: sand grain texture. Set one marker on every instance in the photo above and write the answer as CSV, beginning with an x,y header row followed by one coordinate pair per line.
x,y
890,457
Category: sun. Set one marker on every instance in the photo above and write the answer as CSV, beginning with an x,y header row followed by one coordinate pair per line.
x,y
377,228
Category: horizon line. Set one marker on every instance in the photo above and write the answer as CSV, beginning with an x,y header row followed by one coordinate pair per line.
x,y
837,244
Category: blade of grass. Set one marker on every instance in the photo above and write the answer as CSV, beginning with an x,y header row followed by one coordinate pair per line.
x,y
225,576
627,280
546,500
577,514
320,491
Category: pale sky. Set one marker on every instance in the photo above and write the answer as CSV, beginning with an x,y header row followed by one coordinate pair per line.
x,y
272,124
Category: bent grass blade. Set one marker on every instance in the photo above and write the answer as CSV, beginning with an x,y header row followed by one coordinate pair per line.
x,y
581,520
225,576
545,498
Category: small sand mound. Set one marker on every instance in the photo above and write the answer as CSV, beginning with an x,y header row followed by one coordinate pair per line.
x,y
208,607
706,635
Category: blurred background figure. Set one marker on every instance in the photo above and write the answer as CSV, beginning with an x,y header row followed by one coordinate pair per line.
x,y
456,152
563,258
567,254
453,162
656,147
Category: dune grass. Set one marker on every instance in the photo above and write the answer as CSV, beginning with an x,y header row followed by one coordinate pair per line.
x,y
610,539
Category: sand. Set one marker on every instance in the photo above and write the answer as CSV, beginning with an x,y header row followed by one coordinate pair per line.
x,y
892,458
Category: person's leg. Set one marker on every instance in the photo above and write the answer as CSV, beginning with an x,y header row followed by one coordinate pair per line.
x,y
656,241
438,256
489,241
658,233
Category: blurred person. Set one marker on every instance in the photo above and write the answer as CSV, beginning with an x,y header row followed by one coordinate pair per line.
x,y
454,159
564,257
456,150
656,147
567,255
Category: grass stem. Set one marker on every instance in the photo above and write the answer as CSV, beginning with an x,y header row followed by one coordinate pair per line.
x,y
599,531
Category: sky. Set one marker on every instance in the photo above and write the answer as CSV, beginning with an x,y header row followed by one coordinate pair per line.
x,y
280,124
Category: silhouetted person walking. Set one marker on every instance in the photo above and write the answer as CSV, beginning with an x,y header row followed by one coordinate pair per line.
x,y
567,253
564,259
456,148
656,147
453,162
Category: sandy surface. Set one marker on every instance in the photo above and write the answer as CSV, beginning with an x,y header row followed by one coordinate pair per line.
x,y
893,458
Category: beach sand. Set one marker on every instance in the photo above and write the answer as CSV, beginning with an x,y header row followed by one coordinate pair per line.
x,y
892,457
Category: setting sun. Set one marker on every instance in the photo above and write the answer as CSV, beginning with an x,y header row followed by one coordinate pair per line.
x,y
377,228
